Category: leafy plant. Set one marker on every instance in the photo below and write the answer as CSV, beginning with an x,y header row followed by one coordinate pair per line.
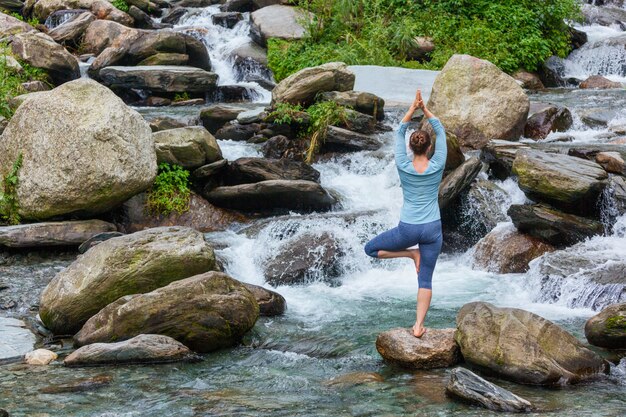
x,y
181,97
323,114
9,205
170,191
33,21
285,114
120,5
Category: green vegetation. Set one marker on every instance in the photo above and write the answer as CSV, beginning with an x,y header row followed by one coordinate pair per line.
x,y
33,21
9,204
11,80
181,97
170,191
512,34
323,114
121,5
285,114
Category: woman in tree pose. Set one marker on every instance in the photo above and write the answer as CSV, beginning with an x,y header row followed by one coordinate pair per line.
x,y
420,220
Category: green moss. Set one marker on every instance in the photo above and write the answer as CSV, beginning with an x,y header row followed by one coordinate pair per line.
x,y
616,323
170,191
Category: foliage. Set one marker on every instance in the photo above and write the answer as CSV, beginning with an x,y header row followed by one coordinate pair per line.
x,y
170,191
512,34
120,5
33,21
9,204
11,81
285,114
323,114
181,97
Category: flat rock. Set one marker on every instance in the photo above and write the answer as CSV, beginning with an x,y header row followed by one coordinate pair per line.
x,y
129,264
344,140
16,339
470,387
500,154
97,239
70,233
40,357
252,170
608,328
189,147
218,309
141,349
523,347
295,195
160,78
435,349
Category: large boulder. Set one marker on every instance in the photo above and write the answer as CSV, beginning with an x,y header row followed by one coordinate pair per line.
x,y
305,259
41,51
130,264
160,78
277,21
190,147
144,349
298,195
200,215
477,102
473,389
9,25
458,180
566,182
366,103
343,140
101,8
435,349
556,228
303,86
505,251
547,120
72,31
251,170
205,312
71,233
500,154
608,328
84,151
523,347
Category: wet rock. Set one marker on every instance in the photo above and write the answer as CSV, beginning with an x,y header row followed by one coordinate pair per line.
x,y
500,154
597,81
354,378
238,132
130,264
201,216
97,239
457,181
165,123
252,116
270,302
141,349
41,51
237,6
205,172
528,80
470,387
598,117
523,347
435,349
305,259
79,385
358,122
71,31
366,103
344,140
70,233
189,147
282,147
604,16
297,195
216,116
303,86
227,19
40,357
83,128
484,204
219,309
617,194
102,9
250,51
277,21
163,58
252,170
17,339
612,162
578,37
550,119
160,78
608,328
564,181
556,228
9,25
477,102
505,251
143,20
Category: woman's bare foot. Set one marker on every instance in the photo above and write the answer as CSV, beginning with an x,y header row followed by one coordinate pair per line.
x,y
416,259
418,332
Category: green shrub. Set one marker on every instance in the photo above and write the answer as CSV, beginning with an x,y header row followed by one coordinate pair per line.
x,y
120,5
178,97
170,191
512,34
323,114
9,205
285,114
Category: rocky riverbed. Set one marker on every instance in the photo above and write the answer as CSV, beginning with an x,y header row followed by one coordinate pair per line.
x,y
260,291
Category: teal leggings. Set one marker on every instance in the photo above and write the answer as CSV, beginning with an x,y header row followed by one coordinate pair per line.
x,y
427,235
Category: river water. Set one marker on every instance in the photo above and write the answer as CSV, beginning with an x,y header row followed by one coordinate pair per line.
x,y
319,359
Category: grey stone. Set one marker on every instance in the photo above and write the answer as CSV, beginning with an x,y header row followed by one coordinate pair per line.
x,y
160,78
69,233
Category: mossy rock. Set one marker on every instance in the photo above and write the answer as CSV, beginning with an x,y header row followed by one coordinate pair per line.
x,y
608,328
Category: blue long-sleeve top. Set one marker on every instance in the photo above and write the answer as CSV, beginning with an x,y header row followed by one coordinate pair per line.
x,y
421,191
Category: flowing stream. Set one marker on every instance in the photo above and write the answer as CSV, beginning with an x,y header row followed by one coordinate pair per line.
x,y
288,365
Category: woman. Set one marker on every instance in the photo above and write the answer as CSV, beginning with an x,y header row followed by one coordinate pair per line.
x,y
420,220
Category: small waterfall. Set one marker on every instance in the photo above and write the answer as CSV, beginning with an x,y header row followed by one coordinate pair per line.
x,y
221,43
59,17
606,57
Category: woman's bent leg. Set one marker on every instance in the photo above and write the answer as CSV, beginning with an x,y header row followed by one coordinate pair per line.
x,y
393,244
